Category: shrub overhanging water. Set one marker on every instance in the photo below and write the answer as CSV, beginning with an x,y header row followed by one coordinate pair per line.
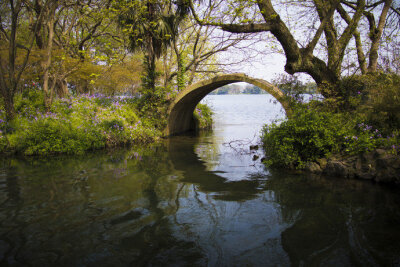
x,y
366,119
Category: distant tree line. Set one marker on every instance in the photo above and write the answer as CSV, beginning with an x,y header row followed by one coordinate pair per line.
x,y
235,89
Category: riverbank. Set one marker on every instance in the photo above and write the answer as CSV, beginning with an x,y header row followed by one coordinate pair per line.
x,y
378,161
353,137
78,124
379,166
333,145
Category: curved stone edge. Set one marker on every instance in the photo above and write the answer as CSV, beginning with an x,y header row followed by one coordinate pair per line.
x,y
180,112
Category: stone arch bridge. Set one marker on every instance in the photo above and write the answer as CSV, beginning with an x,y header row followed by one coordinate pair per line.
x,y
180,112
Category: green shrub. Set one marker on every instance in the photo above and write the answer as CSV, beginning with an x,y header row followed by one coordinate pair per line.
x,y
203,116
31,100
74,125
312,133
52,135
375,97
113,124
307,136
382,106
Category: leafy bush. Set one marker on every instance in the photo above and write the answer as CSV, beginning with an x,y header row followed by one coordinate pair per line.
x,y
203,116
290,84
307,136
74,125
376,97
362,114
312,133
30,99
382,106
53,135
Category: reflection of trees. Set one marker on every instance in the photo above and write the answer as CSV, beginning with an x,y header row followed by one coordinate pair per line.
x,y
207,150
88,209
118,208
341,223
10,206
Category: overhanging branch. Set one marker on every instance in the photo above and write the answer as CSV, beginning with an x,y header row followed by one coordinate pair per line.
x,y
233,28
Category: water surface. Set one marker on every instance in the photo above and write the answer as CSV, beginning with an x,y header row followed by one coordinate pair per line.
x,y
192,201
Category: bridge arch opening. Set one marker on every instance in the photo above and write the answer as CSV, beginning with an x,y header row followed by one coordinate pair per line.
x,y
180,112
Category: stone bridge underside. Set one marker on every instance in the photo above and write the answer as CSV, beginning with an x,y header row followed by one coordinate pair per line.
x,y
181,110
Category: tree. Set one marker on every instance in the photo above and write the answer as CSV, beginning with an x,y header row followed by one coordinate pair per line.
x,y
48,9
121,77
151,26
375,31
290,84
333,33
86,36
196,51
13,41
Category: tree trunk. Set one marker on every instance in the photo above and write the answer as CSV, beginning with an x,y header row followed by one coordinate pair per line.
x,y
360,53
166,72
62,87
181,81
149,79
192,73
153,72
375,36
9,107
47,61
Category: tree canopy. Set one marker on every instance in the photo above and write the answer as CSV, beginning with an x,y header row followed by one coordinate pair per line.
x,y
314,36
118,46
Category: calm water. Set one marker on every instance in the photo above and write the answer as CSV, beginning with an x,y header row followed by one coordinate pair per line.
x,y
192,201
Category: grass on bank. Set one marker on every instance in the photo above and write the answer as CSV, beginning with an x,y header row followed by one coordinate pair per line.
x,y
367,117
78,124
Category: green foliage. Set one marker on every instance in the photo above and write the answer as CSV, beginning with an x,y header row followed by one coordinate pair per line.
x,y
74,126
181,78
364,114
253,90
221,91
121,77
230,89
377,96
52,135
3,141
290,84
307,136
203,116
347,94
152,106
381,107
31,98
149,76
113,124
152,27
3,127
312,133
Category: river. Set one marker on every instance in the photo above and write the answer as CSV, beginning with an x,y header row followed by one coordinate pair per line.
x,y
193,200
